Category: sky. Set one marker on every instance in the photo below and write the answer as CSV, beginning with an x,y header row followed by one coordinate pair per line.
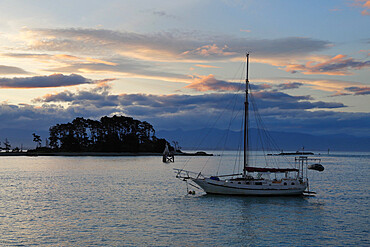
x,y
179,64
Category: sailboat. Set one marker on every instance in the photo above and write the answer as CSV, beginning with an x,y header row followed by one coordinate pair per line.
x,y
167,155
254,181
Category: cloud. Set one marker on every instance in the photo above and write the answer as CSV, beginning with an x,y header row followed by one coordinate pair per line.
x,y
259,87
207,66
31,117
364,4
338,65
279,100
329,85
279,110
7,70
121,66
167,46
27,55
279,96
59,57
359,90
55,80
146,55
334,87
97,97
162,13
289,85
210,83
148,105
262,49
129,68
160,46
353,90
210,50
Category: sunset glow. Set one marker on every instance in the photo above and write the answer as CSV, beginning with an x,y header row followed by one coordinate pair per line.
x,y
59,61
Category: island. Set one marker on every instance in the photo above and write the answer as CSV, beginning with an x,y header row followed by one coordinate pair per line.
x,y
117,134
109,136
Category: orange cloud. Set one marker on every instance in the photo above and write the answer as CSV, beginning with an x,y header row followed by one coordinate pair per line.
x,y
365,12
209,50
210,83
100,61
331,86
206,66
337,65
89,59
365,4
68,57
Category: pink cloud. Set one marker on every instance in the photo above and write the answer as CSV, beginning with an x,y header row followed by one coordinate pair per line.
x,y
206,66
210,50
365,12
365,4
210,83
338,65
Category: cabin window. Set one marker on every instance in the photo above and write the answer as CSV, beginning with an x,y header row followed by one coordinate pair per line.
x,y
258,183
239,183
292,183
246,182
284,183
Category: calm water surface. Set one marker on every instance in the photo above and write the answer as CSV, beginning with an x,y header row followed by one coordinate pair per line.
x,y
137,201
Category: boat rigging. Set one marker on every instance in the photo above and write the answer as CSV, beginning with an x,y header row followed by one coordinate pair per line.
x,y
255,180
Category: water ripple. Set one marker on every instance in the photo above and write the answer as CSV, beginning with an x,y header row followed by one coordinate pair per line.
x,y
136,201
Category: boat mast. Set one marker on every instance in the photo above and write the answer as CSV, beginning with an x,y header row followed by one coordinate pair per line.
x,y
246,120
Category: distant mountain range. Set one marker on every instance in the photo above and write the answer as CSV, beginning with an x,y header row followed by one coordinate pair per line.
x,y
217,139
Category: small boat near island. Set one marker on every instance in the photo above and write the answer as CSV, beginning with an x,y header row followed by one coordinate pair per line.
x,y
168,156
256,181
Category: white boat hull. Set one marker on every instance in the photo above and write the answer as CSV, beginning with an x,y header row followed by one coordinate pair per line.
x,y
252,188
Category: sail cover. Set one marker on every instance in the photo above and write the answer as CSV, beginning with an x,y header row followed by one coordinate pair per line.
x,y
260,169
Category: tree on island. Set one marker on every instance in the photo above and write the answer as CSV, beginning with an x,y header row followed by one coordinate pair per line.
x,y
37,139
7,145
110,134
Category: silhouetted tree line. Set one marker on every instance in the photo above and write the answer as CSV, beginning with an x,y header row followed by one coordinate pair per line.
x,y
110,134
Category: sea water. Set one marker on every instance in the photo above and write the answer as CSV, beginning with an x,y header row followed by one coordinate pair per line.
x,y
137,201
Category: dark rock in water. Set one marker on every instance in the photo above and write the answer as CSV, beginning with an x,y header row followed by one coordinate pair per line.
x,y
200,153
297,153
294,153
316,167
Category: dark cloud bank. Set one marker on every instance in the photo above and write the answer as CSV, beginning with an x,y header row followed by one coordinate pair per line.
x,y
281,112
55,80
